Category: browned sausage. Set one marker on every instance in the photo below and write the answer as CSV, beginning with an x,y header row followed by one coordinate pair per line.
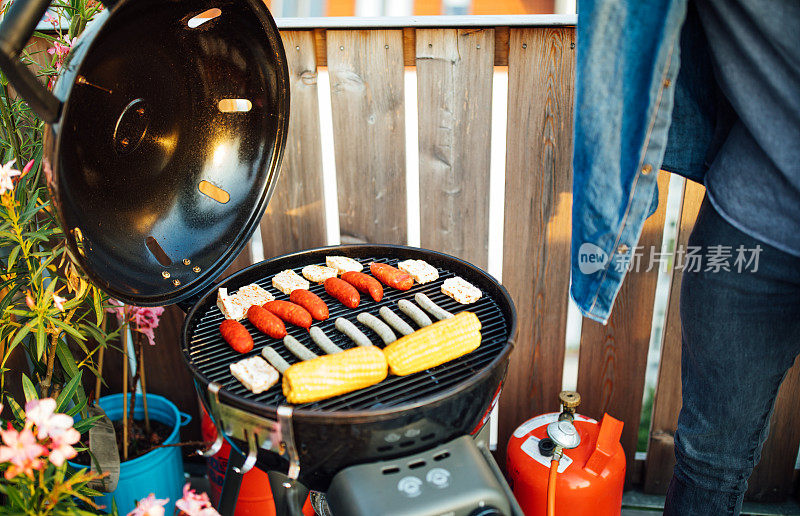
x,y
343,291
365,284
236,335
311,302
290,312
266,322
391,276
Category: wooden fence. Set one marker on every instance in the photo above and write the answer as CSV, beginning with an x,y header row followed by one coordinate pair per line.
x,y
455,64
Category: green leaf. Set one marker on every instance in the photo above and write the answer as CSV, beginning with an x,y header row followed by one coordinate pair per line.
x,y
68,392
12,257
67,328
21,334
67,361
97,298
29,389
15,408
86,423
41,339
76,408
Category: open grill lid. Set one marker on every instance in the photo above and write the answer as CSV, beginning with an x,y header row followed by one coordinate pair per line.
x,y
169,143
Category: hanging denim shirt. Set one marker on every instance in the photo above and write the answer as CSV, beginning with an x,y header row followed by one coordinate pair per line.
x,y
628,88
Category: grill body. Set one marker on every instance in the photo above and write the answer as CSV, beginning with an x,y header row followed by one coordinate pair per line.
x,y
399,416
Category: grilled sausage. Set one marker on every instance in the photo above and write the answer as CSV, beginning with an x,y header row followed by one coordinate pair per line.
x,y
290,312
391,276
275,359
431,307
349,329
266,322
381,328
395,321
311,302
300,351
364,283
343,291
236,335
413,311
322,340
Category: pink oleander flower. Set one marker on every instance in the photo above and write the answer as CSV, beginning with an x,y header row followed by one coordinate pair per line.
x,y
23,452
6,173
194,504
59,301
150,506
42,414
61,445
146,320
61,49
49,18
118,307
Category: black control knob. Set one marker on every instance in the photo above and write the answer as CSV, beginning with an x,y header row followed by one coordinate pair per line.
x,y
547,447
487,511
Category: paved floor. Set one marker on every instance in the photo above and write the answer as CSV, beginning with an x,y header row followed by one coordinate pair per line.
x,y
635,503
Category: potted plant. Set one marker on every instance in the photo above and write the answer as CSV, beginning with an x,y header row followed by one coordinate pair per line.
x,y
146,426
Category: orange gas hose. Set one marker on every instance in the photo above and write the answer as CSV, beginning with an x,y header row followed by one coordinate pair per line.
x,y
551,488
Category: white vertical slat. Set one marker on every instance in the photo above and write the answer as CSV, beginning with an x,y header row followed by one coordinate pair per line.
x,y
412,159
497,171
497,187
328,158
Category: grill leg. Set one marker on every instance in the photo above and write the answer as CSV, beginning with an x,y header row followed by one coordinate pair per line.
x,y
289,495
231,485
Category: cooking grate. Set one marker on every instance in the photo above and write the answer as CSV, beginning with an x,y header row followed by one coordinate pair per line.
x,y
212,356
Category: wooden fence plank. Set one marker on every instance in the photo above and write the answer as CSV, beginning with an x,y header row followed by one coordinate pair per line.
x,y
538,203
295,216
667,401
366,75
613,358
454,96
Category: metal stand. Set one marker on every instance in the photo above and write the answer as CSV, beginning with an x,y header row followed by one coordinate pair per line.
x,y
231,484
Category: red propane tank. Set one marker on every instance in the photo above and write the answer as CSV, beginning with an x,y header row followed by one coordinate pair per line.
x,y
590,477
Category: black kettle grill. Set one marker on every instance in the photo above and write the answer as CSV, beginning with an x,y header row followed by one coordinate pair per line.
x,y
163,143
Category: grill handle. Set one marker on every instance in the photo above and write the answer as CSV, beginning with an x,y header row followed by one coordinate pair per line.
x,y
288,494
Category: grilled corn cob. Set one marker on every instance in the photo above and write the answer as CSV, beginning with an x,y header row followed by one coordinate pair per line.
x,y
433,345
332,375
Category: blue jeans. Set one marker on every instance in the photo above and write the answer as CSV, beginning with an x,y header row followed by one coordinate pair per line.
x,y
741,333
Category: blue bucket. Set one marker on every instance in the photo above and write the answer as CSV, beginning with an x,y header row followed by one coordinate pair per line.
x,y
159,471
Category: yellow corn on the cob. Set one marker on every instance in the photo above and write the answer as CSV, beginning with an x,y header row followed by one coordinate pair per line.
x,y
435,344
330,375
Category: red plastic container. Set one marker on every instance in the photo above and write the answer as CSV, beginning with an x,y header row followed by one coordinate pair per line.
x,y
255,496
590,477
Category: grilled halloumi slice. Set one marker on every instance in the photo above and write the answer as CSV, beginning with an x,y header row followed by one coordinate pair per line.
x,y
255,374
420,270
288,280
318,273
343,264
235,306
461,290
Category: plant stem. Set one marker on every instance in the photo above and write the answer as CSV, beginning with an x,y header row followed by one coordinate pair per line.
x,y
140,370
51,362
125,393
51,356
99,380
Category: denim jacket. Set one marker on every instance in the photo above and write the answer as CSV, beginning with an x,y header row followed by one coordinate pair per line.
x,y
644,100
